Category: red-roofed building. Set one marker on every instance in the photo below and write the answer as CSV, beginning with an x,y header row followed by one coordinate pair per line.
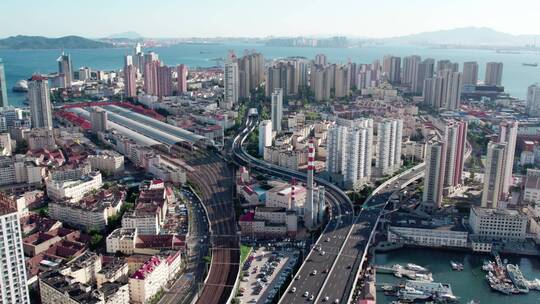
x,y
149,279
33,223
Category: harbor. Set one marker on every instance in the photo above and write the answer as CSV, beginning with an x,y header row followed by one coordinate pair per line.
x,y
468,284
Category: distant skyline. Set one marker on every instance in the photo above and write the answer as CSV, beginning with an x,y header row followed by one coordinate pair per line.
x,y
244,18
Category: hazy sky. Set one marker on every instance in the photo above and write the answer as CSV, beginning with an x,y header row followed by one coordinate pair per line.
x,y
209,18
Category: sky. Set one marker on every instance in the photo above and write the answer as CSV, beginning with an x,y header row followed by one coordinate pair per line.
x,y
262,18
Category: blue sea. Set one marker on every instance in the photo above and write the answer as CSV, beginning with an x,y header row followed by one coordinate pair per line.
x,y
21,64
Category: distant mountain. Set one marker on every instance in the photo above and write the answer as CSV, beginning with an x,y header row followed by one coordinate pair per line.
x,y
467,36
39,42
126,35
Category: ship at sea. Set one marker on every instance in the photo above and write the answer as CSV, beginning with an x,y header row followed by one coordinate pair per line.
x,y
530,64
421,290
21,86
517,278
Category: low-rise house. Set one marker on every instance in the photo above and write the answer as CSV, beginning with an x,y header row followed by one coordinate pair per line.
x,y
73,190
91,212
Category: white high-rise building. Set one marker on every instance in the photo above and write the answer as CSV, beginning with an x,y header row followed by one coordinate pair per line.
x,y
3,87
265,135
494,71
494,175
434,175
533,100
470,73
277,110
231,82
40,102
389,133
455,135
350,152
13,285
508,135
65,68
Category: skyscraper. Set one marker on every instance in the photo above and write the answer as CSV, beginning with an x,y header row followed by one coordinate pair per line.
x,y
251,73
40,102
13,281
455,138
443,91
3,87
265,135
410,67
434,175
494,71
181,78
453,90
130,77
98,118
231,81
494,175
533,99
320,82
320,59
423,70
282,74
392,69
164,80
342,81
470,73
446,65
350,152
65,68
277,109
389,133
150,73
508,135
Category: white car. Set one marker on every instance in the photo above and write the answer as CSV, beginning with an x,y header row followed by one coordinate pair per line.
x,y
311,298
314,272
326,298
293,290
306,294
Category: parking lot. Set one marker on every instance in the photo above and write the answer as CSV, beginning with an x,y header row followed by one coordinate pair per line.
x,y
264,273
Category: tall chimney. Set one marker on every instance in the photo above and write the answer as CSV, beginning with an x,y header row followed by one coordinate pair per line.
x,y
309,218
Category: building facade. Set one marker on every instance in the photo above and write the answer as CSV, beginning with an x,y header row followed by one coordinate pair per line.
x,y
13,285
40,102
434,175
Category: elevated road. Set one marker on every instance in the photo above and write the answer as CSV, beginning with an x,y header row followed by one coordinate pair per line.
x,y
331,276
334,235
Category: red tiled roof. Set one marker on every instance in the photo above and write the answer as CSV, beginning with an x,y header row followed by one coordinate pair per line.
x,y
147,268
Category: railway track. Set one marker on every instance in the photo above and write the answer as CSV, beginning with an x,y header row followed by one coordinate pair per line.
x,y
213,180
